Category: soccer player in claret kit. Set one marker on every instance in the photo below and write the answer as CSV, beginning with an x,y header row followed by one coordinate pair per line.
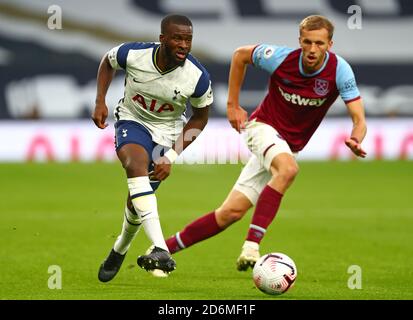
x,y
150,129
303,84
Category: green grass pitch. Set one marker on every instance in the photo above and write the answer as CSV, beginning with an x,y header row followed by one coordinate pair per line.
x,y
336,214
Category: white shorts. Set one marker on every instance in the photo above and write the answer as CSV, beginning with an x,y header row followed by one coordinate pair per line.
x,y
265,143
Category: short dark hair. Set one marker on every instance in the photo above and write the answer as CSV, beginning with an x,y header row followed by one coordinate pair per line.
x,y
175,19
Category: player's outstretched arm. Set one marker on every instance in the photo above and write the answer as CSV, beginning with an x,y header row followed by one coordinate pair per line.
x,y
104,78
190,132
356,110
236,115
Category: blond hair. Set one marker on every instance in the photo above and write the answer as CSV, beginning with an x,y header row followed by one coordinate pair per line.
x,y
317,22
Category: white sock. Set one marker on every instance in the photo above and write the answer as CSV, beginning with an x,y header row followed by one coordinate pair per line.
x,y
144,202
153,231
130,228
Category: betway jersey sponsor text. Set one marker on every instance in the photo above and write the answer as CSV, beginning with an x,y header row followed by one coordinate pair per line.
x,y
301,101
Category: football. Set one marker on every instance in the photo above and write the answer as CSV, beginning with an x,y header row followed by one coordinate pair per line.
x,y
274,273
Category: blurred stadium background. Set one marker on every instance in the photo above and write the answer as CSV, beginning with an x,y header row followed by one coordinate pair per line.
x,y
49,74
357,211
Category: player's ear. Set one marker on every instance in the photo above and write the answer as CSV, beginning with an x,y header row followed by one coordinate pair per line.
x,y
161,38
330,44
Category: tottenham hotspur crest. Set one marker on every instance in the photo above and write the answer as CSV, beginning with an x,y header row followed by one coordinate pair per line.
x,y
321,87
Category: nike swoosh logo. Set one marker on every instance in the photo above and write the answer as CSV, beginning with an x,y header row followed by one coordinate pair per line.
x,y
144,215
137,81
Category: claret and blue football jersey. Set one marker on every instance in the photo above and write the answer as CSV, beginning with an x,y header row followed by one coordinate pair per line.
x,y
297,102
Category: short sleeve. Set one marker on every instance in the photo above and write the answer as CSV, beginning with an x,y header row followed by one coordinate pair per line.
x,y
346,82
269,57
202,95
203,98
118,56
112,56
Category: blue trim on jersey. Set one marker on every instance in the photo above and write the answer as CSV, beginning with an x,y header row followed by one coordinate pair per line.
x,y
154,51
123,50
269,57
154,55
314,73
203,81
141,194
345,80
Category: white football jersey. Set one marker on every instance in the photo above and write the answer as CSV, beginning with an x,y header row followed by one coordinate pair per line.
x,y
157,99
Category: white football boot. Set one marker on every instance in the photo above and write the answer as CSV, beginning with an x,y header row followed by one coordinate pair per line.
x,y
249,256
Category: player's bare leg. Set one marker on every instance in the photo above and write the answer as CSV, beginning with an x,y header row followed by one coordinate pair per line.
x,y
283,169
233,209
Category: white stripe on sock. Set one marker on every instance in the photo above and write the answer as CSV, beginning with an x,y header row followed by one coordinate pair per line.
x,y
178,239
253,226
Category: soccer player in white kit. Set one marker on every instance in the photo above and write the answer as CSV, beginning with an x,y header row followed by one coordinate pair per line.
x,y
150,128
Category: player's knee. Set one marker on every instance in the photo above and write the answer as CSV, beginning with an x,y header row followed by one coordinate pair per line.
x,y
288,172
228,215
134,159
134,167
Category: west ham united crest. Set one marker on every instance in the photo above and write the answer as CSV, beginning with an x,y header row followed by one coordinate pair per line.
x,y
268,53
321,87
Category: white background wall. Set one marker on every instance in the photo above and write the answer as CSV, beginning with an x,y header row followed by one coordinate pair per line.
x,y
80,140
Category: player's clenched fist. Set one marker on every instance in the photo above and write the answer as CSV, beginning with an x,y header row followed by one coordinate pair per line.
x,y
100,115
162,168
237,117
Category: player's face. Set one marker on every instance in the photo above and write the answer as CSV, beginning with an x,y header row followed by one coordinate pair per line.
x,y
177,42
315,44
